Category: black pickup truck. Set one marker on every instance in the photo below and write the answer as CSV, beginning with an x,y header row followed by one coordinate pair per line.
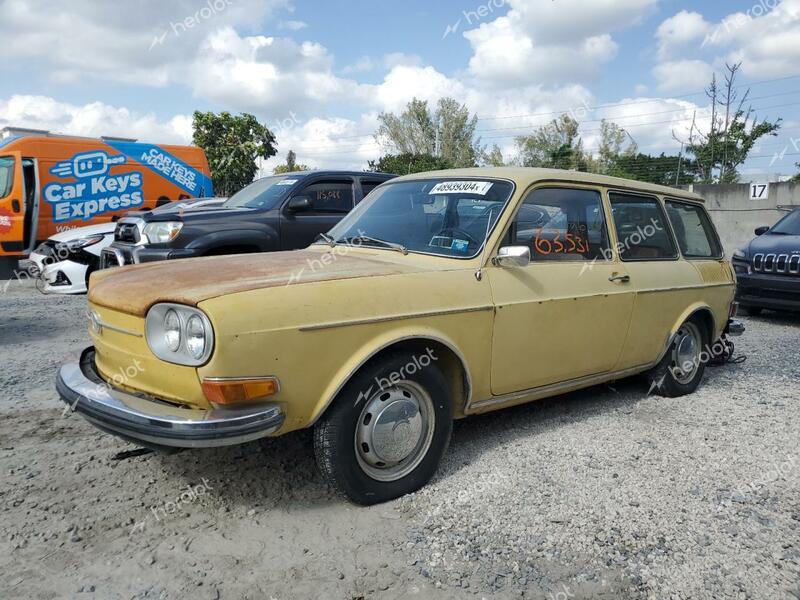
x,y
284,212
768,268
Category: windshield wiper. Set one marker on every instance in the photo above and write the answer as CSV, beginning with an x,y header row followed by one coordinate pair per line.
x,y
324,237
365,238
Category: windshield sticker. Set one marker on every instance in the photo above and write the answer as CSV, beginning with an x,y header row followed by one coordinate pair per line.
x,y
461,246
95,191
287,182
480,188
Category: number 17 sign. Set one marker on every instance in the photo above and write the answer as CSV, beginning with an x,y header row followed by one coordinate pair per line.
x,y
759,191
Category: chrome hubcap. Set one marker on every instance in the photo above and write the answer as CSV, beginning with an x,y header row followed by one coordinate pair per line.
x,y
394,431
686,355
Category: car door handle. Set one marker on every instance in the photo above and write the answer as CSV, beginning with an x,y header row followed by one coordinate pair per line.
x,y
620,278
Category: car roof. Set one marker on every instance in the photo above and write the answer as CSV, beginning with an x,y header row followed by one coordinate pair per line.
x,y
526,176
327,173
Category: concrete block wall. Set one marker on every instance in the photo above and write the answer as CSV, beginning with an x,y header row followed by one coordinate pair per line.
x,y
736,216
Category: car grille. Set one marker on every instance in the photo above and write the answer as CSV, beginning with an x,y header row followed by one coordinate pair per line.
x,y
126,232
779,264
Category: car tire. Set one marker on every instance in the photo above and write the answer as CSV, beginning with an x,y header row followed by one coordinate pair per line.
x,y
753,311
387,430
673,377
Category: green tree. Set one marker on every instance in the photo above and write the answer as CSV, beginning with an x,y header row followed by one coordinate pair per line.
x,y
556,145
797,177
290,166
494,158
615,144
232,144
661,169
406,163
732,133
448,132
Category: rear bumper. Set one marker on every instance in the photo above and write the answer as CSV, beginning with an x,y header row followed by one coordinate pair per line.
x,y
155,424
734,328
777,292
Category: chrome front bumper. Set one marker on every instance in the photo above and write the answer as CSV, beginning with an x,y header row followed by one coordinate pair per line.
x,y
155,424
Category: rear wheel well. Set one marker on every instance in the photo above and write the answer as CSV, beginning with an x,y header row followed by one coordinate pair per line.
x,y
704,317
443,356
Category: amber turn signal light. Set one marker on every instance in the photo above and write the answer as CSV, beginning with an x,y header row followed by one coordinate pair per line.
x,y
236,391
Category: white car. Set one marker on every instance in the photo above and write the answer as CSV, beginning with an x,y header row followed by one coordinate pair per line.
x,y
64,261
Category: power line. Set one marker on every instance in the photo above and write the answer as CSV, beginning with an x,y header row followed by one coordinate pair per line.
x,y
498,117
584,131
592,108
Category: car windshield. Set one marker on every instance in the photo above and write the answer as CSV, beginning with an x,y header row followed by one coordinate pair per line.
x,y
6,175
789,225
446,217
265,193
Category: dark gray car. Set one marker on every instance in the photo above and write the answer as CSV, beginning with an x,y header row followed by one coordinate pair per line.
x,y
283,212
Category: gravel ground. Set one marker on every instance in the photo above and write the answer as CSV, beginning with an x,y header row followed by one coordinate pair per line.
x,y
604,493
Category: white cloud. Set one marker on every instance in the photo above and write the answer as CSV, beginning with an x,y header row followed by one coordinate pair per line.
x,y
292,25
265,74
678,31
683,75
329,143
765,38
401,58
362,65
544,41
651,122
147,42
93,119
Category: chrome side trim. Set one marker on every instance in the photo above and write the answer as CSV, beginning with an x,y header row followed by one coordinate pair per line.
x,y
103,325
422,315
554,389
687,287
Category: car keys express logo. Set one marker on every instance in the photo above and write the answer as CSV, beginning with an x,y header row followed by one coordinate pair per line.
x,y
95,191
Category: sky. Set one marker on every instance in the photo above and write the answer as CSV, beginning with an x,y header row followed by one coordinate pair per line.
x,y
318,73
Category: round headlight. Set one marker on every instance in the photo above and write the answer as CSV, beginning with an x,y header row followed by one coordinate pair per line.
x,y
172,330
196,337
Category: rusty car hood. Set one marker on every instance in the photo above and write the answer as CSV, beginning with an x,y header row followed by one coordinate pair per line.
x,y
136,288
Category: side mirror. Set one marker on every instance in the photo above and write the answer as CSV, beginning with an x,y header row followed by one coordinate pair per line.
x,y
299,204
761,230
513,256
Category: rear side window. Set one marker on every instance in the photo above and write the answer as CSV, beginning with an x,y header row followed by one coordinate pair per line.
x,y
562,224
367,185
6,175
693,230
335,196
642,232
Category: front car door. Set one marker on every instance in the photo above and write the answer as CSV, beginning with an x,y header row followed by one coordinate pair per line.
x,y
12,204
330,199
566,314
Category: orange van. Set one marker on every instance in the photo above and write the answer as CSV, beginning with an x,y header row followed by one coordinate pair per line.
x,y
50,183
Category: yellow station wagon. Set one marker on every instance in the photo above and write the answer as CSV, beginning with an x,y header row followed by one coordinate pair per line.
x,y
442,295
